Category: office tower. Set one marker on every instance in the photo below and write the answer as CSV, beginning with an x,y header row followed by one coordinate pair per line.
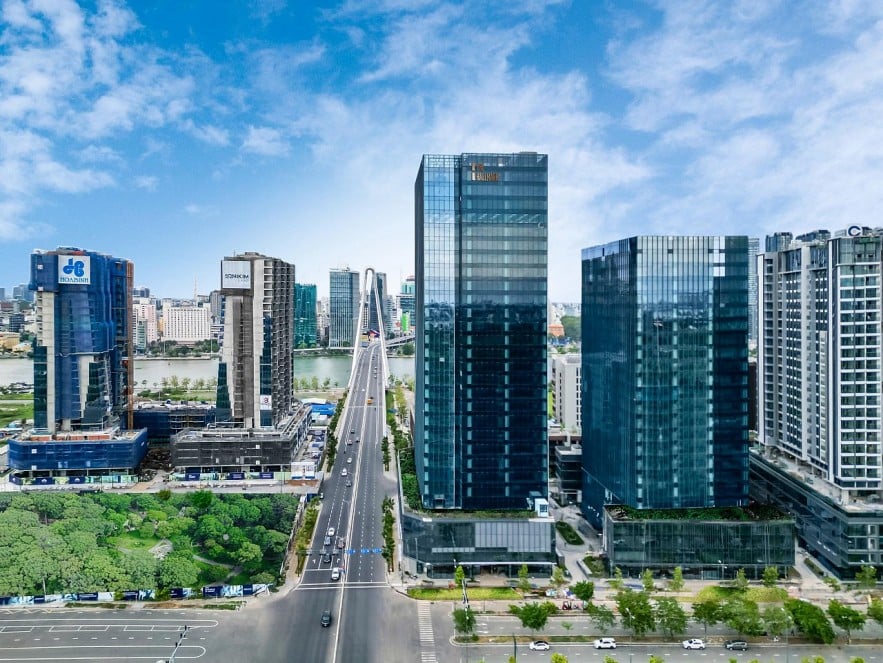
x,y
84,339
141,292
22,292
83,373
753,250
481,299
565,386
665,373
187,324
256,372
343,308
305,320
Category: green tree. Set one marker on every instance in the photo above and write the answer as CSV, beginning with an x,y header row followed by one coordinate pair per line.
x,y
617,581
742,615
249,555
741,581
810,620
875,610
647,581
571,324
636,611
708,613
602,616
523,581
677,580
557,576
584,590
177,571
776,620
201,499
846,618
655,659
770,576
534,615
866,577
464,621
459,575
670,616
558,658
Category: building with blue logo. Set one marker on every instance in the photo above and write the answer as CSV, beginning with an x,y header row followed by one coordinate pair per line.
x,y
83,372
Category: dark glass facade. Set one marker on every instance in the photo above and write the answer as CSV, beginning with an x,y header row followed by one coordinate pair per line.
x,y
305,315
343,308
481,299
702,548
665,373
84,337
843,538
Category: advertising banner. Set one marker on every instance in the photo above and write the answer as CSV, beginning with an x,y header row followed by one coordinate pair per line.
x,y
74,270
211,592
236,476
265,475
236,274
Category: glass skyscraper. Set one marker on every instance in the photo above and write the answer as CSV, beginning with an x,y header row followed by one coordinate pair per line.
x,y
481,302
665,373
343,308
82,372
305,315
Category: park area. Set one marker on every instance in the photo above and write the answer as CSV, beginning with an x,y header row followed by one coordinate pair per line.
x,y
58,543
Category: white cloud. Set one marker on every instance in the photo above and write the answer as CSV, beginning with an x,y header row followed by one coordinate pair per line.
x,y
146,182
265,141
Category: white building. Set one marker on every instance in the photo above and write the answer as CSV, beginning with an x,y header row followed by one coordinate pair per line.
x,y
145,323
566,384
819,356
187,324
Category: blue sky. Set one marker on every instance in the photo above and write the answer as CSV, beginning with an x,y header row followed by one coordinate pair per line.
x,y
174,132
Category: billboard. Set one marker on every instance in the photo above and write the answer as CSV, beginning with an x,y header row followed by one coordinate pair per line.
x,y
236,274
74,269
266,402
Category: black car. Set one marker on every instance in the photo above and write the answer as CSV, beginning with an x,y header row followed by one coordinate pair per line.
x,y
736,645
326,618
326,558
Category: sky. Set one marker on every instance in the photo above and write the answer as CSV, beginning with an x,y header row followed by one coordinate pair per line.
x,y
175,132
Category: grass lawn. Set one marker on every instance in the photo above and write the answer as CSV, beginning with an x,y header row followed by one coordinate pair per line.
x,y
9,413
131,541
756,594
17,397
474,594
239,579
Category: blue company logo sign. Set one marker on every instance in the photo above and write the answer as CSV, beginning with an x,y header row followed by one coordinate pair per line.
x,y
854,231
74,269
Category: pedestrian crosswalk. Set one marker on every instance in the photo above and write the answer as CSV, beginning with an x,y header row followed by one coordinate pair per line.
x,y
427,637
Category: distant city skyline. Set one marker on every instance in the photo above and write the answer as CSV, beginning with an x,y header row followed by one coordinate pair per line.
x,y
174,134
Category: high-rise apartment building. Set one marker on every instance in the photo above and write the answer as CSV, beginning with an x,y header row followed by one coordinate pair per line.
x,y
343,308
146,328
379,320
256,372
753,251
566,387
665,373
481,300
819,417
187,324
305,334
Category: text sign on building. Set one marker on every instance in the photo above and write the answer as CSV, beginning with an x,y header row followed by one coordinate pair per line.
x,y
74,269
266,402
236,274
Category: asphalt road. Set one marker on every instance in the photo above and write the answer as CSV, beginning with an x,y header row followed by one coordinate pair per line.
x,y
96,635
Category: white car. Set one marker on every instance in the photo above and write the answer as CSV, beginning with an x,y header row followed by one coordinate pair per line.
x,y
349,460
335,573
605,643
539,645
343,472
694,643
330,532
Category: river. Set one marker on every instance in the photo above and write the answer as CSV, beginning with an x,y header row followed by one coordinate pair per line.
x,y
150,372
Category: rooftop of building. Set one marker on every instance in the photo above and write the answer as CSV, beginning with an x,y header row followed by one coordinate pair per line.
x,y
753,512
106,434
806,474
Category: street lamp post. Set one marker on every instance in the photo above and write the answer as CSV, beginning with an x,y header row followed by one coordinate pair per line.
x,y
181,639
